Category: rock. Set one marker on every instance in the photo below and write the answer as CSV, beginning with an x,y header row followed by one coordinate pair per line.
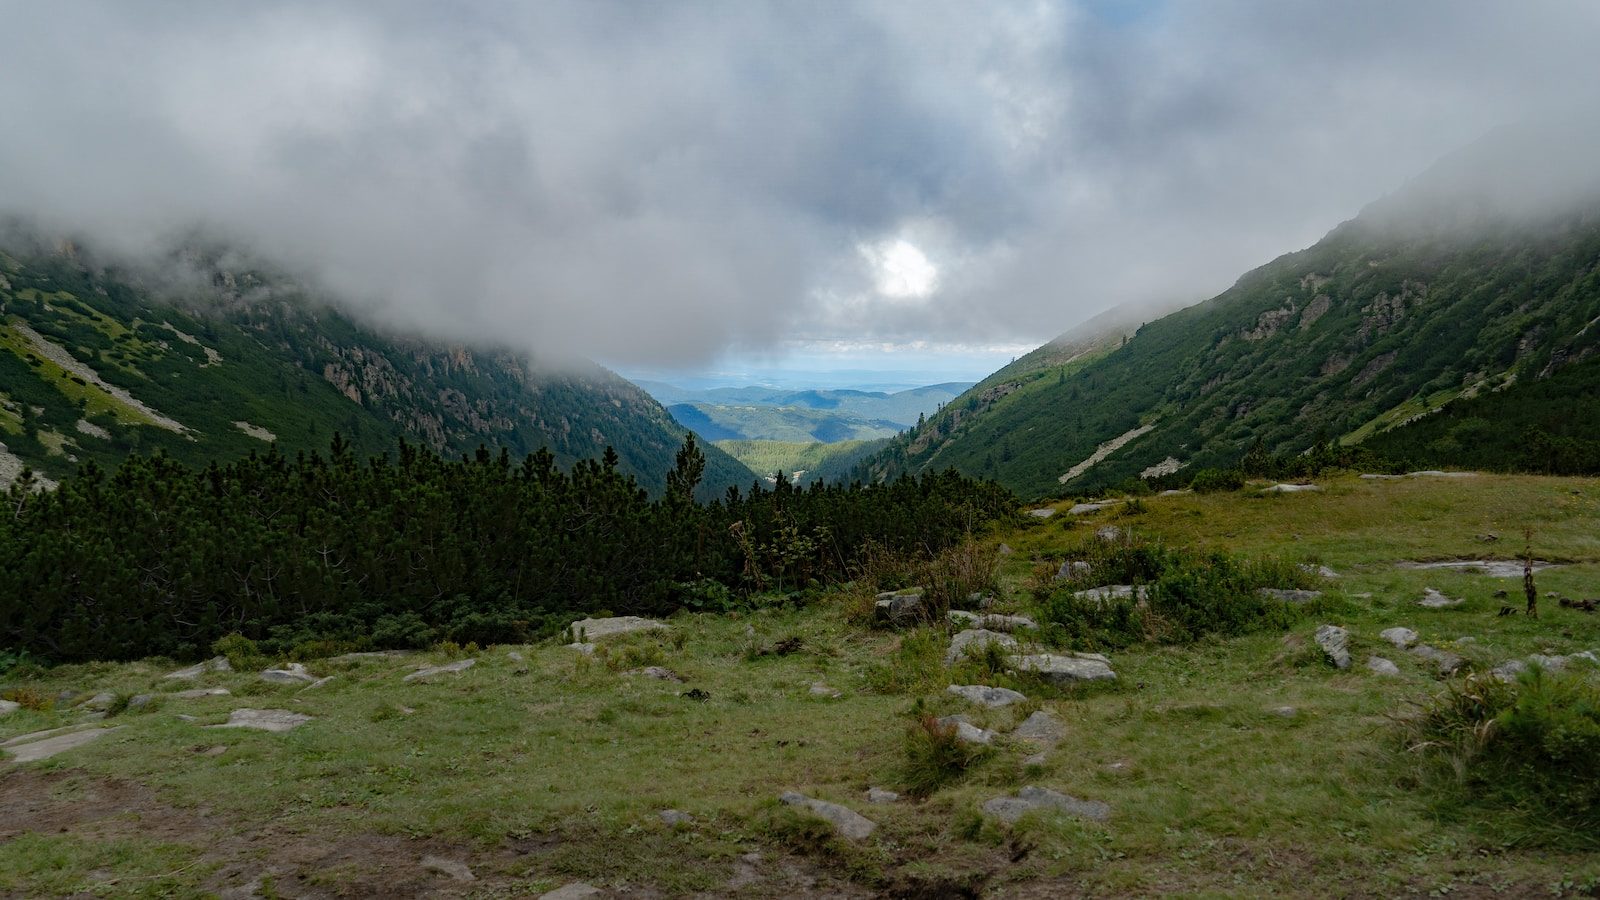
x,y
1113,592
101,701
214,664
673,818
657,672
1319,571
1108,533
1010,809
364,655
1284,712
319,683
1435,473
1508,670
879,795
574,891
1432,599
1494,568
264,719
294,673
197,693
899,608
1005,550
1400,637
1174,492
7,707
983,695
585,649
1549,663
1382,477
1067,669
214,750
1335,642
991,621
514,656
966,732
45,744
976,639
1377,665
591,630
140,700
1290,595
847,822
1291,488
450,867
1043,513
1041,728
460,665
1448,663
1072,568
820,689
1082,509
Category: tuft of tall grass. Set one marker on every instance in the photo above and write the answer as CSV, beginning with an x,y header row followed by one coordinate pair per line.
x,y
936,756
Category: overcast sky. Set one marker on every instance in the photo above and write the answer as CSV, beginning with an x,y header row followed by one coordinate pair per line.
x,y
671,185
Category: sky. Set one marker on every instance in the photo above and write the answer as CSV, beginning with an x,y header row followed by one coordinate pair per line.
x,y
921,187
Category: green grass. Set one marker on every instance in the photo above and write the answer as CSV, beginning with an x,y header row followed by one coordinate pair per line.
x,y
94,400
1213,794
811,459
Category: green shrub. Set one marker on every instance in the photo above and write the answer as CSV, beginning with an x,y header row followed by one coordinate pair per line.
x,y
29,698
241,652
936,756
403,631
1210,481
1529,748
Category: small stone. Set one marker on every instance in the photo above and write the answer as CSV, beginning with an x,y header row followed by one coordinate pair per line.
x,y
879,795
590,630
214,664
1377,665
514,656
673,818
1400,637
1432,599
1335,642
1319,571
1448,663
264,719
214,750
450,867
45,744
574,891
1083,509
184,717
1044,513
1508,670
977,638
1290,595
294,673
319,683
1005,550
983,695
966,732
846,821
7,707
1284,712
1010,809
657,672
1108,533
460,665
819,689
101,701
1067,669
197,693
138,700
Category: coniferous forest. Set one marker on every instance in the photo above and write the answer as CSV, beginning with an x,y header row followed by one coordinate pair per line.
x,y
158,558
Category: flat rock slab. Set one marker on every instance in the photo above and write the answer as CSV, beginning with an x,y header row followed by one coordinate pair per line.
x,y
24,750
1040,728
585,649
575,891
7,707
1291,488
215,664
1065,669
1044,513
1432,599
1335,644
821,689
1435,473
1113,592
847,822
966,732
1400,637
977,638
1319,571
1083,509
197,693
264,719
1108,533
1494,568
293,673
1010,809
675,817
1447,663
590,630
460,665
990,621
1377,665
1290,595
879,795
449,867
659,673
983,695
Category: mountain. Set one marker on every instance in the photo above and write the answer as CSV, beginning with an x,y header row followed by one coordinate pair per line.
x,y
778,423
800,416
802,463
203,354
1475,284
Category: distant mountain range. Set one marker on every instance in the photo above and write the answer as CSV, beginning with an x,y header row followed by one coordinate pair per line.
x,y
204,357
1455,322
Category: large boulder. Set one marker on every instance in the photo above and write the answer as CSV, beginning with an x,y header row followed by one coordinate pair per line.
x,y
847,822
1335,643
977,638
1063,669
590,630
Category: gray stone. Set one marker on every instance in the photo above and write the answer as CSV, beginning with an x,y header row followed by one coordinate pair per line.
x,y
585,649
847,822
1508,670
1494,568
990,621
514,656
7,707
976,639
673,818
460,665
900,608
101,701
1432,599
1335,642
1319,571
1174,492
1435,473
1377,665
1446,662
820,689
1113,592
197,693
293,673
1291,488
1072,568
46,744
657,672
1043,513
1063,669
1010,809
879,795
455,870
590,630
1290,595
319,683
214,664
1284,712
1108,533
365,655
264,719
983,695
1005,550
1040,728
1400,637
1082,509
1377,477
966,732
140,700
574,891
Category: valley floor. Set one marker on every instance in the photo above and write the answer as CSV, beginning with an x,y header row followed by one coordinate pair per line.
x,y
1241,767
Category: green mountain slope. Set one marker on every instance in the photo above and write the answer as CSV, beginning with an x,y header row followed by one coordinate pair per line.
x,y
802,463
97,361
1440,292
901,408
778,423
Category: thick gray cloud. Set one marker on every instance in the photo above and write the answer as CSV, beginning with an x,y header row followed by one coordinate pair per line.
x,y
655,183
